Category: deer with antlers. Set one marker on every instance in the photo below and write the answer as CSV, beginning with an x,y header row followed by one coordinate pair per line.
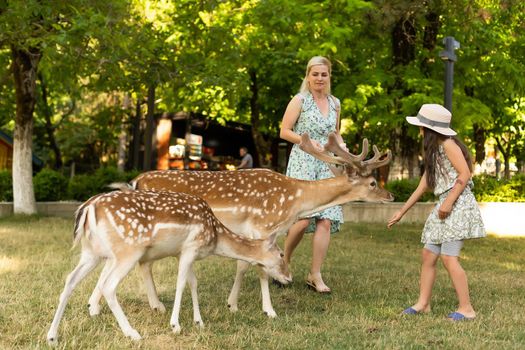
x,y
143,226
261,202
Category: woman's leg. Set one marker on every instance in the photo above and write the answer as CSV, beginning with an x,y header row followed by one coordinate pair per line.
x,y
459,280
294,236
320,243
426,280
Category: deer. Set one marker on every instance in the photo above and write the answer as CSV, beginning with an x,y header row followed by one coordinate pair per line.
x,y
126,228
261,202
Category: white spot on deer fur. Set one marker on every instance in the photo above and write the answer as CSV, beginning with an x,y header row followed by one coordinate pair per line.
x,y
281,199
299,192
290,198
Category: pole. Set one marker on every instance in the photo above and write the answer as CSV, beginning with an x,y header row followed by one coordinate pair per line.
x,y
449,57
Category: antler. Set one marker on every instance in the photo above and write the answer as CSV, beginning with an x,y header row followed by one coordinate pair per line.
x,y
357,162
307,146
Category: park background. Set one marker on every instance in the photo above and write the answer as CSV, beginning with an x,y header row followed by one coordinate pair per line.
x,y
86,84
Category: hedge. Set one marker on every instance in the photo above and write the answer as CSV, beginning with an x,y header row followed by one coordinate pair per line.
x,y
486,189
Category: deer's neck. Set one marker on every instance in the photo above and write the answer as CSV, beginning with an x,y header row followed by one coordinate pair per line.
x,y
322,194
237,247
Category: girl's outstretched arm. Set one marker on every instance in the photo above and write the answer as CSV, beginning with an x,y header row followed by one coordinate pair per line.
x,y
459,163
418,192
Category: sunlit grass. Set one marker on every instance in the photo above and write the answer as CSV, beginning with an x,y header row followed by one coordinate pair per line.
x,y
373,273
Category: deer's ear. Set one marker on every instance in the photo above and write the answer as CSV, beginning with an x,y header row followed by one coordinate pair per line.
x,y
351,172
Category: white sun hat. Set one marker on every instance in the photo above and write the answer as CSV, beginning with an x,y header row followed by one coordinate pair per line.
x,y
435,117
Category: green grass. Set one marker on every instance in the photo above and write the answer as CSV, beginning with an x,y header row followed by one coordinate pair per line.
x,y
373,273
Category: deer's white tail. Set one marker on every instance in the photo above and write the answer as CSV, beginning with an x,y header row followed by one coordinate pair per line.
x,y
123,186
85,221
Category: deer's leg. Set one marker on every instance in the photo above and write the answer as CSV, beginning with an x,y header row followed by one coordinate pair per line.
x,y
265,293
119,269
242,267
94,299
192,282
88,261
147,277
185,262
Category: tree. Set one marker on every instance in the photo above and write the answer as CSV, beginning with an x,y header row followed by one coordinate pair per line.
x,y
29,29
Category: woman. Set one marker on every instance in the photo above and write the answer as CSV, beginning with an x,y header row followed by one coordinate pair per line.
x,y
314,111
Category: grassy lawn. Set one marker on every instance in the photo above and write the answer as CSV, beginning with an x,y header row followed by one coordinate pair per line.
x,y
373,273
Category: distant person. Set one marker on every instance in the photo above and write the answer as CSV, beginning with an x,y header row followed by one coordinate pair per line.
x,y
455,218
247,159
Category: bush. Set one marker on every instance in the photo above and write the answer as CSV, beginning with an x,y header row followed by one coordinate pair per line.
x,y
50,185
81,187
489,189
6,186
402,189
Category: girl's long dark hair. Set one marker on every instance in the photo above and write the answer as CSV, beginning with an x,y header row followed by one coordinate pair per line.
x,y
430,145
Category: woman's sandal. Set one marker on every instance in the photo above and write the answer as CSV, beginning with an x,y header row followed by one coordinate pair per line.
x,y
311,284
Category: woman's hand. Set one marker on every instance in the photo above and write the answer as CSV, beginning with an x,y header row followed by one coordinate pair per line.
x,y
394,219
444,210
317,145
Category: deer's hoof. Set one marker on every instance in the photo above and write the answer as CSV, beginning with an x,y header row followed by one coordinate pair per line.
x,y
176,328
133,334
53,341
159,308
94,309
270,313
233,308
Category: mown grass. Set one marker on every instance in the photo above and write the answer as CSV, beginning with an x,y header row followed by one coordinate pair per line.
x,y
373,273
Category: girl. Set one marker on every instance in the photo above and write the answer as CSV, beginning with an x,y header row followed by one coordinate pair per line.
x,y
456,217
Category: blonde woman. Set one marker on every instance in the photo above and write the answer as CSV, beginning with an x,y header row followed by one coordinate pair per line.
x,y
314,111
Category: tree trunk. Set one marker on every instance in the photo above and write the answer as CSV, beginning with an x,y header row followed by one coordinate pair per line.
x,y
506,156
135,147
50,130
479,143
148,134
25,66
122,142
262,146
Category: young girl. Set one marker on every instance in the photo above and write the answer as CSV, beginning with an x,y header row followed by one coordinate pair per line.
x,y
456,216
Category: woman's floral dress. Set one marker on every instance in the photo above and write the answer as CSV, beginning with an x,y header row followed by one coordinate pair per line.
x,y
302,165
464,221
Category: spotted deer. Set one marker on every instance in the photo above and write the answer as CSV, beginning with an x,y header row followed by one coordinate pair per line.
x,y
261,202
142,226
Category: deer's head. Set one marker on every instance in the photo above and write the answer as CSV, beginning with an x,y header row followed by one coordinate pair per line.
x,y
357,170
273,261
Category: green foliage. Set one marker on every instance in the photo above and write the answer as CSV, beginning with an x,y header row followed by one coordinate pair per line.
x,y
402,189
6,186
83,186
486,189
489,189
50,185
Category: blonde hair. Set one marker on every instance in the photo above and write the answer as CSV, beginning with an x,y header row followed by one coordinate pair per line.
x,y
316,61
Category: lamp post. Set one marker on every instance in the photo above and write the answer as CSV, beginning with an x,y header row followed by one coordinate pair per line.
x,y
449,57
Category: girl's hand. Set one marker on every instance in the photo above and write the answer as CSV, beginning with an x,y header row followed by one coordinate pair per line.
x,y
394,219
444,211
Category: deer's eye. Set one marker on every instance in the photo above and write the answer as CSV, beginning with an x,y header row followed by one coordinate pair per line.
x,y
282,255
373,184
